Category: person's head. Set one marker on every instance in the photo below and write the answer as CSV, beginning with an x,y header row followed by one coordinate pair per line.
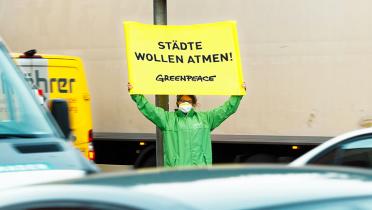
x,y
191,99
186,102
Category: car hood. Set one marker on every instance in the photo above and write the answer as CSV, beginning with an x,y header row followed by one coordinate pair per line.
x,y
24,154
22,178
238,187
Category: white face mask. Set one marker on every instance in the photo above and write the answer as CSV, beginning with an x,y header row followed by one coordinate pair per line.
x,y
185,107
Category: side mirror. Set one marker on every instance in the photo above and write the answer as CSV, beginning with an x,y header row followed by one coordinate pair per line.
x,y
59,110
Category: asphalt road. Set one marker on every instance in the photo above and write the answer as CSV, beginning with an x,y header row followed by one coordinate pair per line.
x,y
112,168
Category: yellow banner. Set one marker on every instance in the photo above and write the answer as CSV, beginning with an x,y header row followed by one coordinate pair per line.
x,y
201,59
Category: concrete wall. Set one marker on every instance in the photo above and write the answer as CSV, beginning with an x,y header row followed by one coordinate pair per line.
x,y
307,63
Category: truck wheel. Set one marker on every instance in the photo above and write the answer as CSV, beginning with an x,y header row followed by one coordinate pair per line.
x,y
150,161
261,158
147,158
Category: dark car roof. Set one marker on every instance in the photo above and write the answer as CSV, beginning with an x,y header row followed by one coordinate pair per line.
x,y
170,175
241,186
232,187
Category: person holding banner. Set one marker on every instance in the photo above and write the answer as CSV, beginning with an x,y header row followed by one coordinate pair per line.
x,y
186,132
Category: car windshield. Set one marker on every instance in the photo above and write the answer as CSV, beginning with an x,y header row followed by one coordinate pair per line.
x,y
20,114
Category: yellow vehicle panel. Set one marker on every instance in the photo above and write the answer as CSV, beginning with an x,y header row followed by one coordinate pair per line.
x,y
65,79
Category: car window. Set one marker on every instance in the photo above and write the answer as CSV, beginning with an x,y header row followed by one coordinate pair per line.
x,y
19,112
356,152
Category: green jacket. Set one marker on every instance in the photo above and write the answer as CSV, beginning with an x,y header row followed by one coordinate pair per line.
x,y
187,137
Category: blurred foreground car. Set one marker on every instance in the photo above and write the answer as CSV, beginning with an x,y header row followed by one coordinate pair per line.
x,y
33,148
232,187
349,149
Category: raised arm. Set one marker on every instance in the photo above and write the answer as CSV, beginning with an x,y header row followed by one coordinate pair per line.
x,y
155,114
218,115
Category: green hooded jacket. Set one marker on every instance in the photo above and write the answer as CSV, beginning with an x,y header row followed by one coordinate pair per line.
x,y
187,137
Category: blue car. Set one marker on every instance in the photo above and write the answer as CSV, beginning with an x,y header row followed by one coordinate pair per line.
x,y
34,146
225,187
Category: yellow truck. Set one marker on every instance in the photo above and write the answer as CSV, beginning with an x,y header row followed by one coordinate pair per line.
x,y
61,76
